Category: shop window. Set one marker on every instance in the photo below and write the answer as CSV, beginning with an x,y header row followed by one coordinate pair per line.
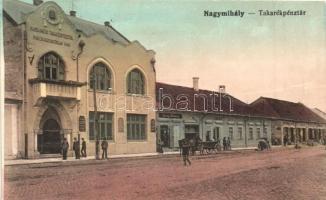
x,y
135,82
100,77
231,133
265,132
208,136
51,67
104,128
258,133
216,134
251,134
136,127
240,133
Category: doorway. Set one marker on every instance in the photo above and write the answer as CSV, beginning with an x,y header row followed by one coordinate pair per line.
x,y
292,135
165,135
191,132
216,134
50,141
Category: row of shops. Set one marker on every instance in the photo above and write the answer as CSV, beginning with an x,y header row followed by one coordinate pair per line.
x,y
277,121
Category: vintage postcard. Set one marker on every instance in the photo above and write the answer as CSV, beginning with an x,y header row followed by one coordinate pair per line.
x,y
143,99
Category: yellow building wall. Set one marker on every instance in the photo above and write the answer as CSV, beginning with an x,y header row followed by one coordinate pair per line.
x,y
42,37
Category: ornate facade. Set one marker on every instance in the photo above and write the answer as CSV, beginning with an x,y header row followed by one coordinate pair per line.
x,y
53,64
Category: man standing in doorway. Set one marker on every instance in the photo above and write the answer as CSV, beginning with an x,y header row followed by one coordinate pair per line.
x,y
285,140
76,148
228,143
65,147
104,146
224,143
83,149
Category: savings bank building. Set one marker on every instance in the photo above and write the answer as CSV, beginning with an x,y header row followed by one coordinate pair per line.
x,y
59,70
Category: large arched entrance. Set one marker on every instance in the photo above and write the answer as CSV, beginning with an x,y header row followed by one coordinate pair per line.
x,y
49,141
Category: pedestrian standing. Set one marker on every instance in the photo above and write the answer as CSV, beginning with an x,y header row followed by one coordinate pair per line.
x,y
224,143
228,143
83,149
104,146
65,147
185,152
97,147
285,140
76,148
159,145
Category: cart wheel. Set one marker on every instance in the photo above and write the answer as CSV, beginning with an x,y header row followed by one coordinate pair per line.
x,y
207,151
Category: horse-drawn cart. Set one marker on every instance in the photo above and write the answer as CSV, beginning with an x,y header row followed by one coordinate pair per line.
x,y
207,147
210,147
263,144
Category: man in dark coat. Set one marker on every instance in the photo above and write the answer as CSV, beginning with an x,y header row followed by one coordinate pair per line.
x,y
228,144
104,146
185,152
76,148
65,147
285,140
83,149
224,143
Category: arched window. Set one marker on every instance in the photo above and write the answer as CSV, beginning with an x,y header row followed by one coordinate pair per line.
x,y
51,67
135,82
100,77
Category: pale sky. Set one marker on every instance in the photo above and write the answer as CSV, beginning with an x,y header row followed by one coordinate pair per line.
x,y
272,56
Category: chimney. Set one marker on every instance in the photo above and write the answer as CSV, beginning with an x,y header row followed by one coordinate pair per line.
x,y
73,13
195,83
107,24
37,2
221,89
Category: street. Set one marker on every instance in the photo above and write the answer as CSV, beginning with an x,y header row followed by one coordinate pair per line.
x,y
282,173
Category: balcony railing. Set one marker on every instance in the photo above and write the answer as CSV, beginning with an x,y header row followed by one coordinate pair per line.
x,y
56,89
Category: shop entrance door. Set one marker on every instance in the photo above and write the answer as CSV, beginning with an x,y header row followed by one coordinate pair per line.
x,y
191,132
216,134
165,135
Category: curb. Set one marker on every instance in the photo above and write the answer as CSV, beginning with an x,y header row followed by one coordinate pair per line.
x,y
72,159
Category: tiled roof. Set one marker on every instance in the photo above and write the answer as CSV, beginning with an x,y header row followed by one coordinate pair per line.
x,y
195,102
17,10
319,112
280,109
262,107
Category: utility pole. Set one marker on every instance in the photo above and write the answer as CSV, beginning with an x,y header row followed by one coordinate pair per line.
x,y
245,130
97,143
81,45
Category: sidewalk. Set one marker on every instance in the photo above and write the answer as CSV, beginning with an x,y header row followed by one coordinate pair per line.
x,y
72,159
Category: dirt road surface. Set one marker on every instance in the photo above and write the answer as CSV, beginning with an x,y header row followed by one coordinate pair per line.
x,y
277,174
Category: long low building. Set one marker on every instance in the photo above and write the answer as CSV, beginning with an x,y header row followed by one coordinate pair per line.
x,y
185,112
291,121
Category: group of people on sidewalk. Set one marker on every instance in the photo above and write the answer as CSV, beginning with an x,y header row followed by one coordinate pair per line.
x,y
226,144
82,152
